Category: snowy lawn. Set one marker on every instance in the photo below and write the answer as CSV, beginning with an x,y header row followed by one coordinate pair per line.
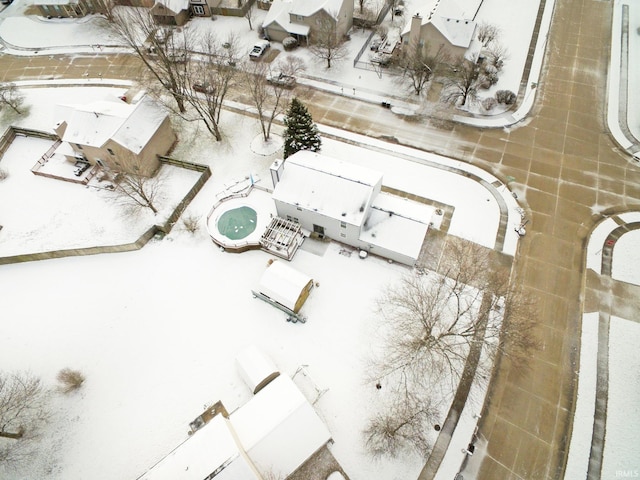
x,y
49,214
156,331
621,456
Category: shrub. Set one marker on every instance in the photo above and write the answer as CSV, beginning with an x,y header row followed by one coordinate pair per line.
x,y
191,223
3,174
492,78
70,380
506,96
490,69
489,103
289,43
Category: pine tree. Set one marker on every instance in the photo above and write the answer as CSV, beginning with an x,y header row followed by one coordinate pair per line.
x,y
301,132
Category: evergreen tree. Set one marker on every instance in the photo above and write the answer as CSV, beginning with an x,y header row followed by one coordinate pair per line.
x,y
301,132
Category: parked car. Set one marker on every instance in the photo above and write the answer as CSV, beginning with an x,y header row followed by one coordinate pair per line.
x,y
7,2
282,80
259,49
381,59
202,88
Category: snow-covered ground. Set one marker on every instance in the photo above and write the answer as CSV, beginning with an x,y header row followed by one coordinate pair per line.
x,y
156,331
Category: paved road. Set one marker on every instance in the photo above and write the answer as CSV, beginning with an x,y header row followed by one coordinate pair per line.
x,y
568,172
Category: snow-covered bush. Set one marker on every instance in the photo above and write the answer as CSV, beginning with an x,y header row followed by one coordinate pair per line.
x,y
506,96
489,69
70,380
3,174
191,223
289,43
489,103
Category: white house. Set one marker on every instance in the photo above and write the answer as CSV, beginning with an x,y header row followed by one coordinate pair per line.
x,y
211,452
344,202
273,434
326,196
279,429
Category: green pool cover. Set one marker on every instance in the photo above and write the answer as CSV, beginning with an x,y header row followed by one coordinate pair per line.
x,y
237,223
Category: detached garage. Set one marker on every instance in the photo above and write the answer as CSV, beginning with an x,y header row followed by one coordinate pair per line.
x,y
284,287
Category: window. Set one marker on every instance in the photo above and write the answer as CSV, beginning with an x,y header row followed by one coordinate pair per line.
x,y
298,208
198,9
343,224
343,235
79,146
110,152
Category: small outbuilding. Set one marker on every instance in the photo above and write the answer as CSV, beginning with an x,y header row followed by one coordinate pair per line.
x,y
255,368
284,287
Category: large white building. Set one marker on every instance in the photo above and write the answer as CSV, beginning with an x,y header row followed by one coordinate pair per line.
x,y
344,201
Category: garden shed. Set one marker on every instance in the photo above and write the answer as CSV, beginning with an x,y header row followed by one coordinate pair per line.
x,y
255,368
284,287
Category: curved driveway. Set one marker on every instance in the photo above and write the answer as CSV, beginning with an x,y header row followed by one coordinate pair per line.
x,y
568,173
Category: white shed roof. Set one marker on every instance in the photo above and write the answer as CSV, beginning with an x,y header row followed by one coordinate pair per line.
x,y
279,428
322,184
93,124
255,368
210,449
283,283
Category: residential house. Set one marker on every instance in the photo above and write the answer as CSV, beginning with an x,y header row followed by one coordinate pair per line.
x,y
302,19
171,12
271,436
345,202
115,134
446,24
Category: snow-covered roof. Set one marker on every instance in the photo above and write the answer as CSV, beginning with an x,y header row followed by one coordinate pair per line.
x,y
283,284
279,429
307,8
279,14
176,6
453,19
95,123
211,449
255,368
458,32
328,186
140,126
403,230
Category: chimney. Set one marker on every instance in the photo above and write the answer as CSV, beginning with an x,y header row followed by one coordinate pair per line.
x,y
276,169
414,32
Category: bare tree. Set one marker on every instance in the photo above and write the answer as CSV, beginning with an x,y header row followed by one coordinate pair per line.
x,y
249,15
401,425
461,85
436,318
164,51
326,43
211,79
487,33
270,99
498,55
23,409
433,323
419,66
135,184
10,96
